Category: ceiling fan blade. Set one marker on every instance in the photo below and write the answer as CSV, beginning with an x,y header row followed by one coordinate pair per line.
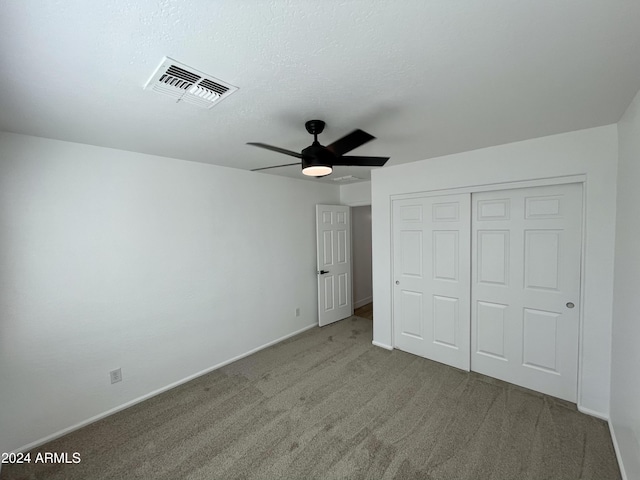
x,y
275,166
276,149
361,161
349,142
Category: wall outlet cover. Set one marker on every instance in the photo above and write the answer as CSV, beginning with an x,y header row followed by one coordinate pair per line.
x,y
116,375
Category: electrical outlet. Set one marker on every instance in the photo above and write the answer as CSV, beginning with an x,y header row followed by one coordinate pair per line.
x,y
298,312
116,375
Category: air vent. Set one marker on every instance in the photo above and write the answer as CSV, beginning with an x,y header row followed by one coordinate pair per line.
x,y
187,84
347,179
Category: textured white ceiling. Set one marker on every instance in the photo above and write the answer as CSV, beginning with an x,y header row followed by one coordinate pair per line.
x,y
426,77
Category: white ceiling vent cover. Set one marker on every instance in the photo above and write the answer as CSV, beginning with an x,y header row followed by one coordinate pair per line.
x,y
188,84
347,179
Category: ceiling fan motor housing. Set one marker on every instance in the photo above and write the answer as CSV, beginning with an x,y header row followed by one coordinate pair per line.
x,y
317,155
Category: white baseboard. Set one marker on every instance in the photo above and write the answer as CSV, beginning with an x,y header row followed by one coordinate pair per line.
x,y
616,447
627,447
593,413
363,302
382,345
102,415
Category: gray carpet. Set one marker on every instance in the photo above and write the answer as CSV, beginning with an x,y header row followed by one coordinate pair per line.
x,y
328,404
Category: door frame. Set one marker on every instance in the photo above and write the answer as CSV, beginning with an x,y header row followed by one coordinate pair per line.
x,y
359,203
541,182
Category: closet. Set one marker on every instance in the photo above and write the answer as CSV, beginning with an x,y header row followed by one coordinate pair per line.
x,y
490,282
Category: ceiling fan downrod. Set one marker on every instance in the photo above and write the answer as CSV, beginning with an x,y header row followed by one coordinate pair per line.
x,y
315,128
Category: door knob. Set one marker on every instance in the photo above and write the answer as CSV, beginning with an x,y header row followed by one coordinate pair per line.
x,y
322,272
570,305
397,282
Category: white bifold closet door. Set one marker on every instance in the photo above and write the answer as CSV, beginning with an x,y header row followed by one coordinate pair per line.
x,y
431,243
526,287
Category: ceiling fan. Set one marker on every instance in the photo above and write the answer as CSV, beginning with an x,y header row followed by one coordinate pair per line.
x,y
318,160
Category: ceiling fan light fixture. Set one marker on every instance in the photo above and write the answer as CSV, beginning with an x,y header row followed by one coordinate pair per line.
x,y
317,170
315,163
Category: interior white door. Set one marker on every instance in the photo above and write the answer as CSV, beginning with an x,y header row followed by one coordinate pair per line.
x,y
431,274
526,287
333,228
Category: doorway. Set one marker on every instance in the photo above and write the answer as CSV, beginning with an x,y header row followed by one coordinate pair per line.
x,y
362,264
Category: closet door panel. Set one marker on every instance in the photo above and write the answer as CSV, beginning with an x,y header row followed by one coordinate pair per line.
x,y
526,251
431,298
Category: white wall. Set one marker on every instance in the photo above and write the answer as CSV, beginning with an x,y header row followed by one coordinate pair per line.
x,y
591,152
361,254
163,267
625,360
355,194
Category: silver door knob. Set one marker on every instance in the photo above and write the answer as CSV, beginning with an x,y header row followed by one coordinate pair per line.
x,y
570,305
397,282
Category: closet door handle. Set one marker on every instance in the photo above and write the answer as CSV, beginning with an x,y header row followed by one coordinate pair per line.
x,y
397,282
570,305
